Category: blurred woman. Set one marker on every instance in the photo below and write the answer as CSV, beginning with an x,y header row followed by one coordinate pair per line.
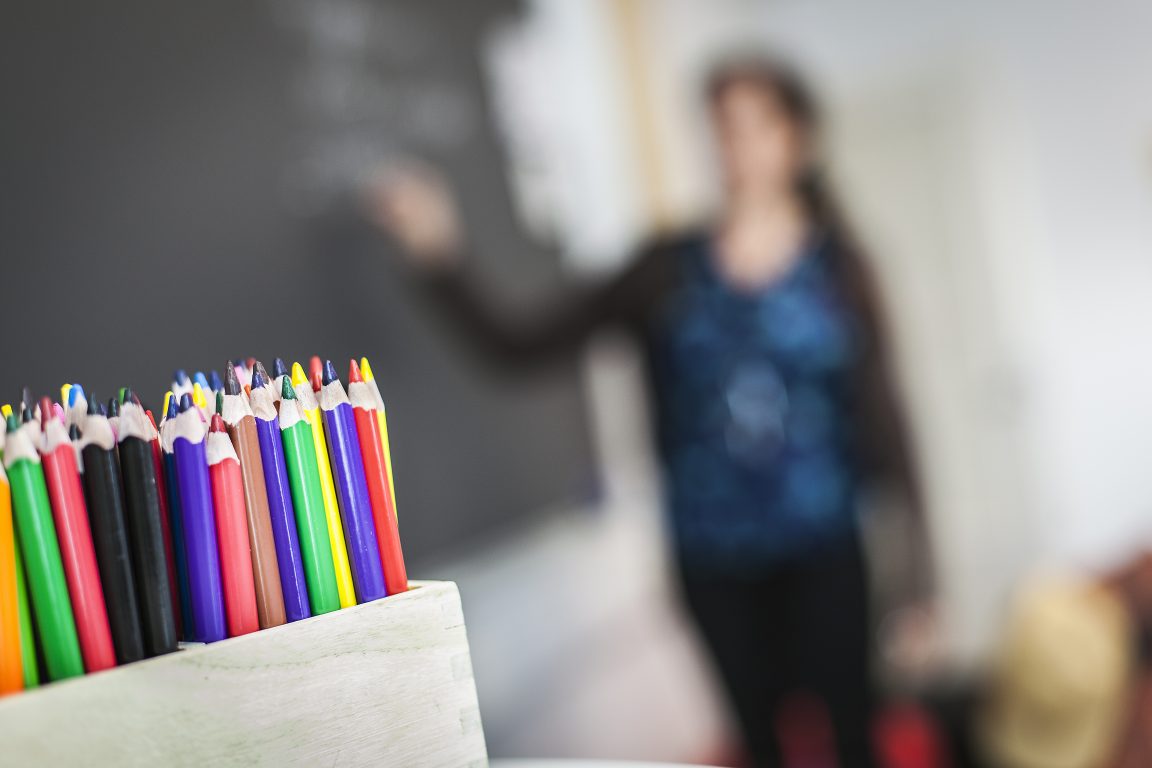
x,y
767,365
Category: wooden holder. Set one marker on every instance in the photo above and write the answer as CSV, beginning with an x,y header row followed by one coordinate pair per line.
x,y
387,683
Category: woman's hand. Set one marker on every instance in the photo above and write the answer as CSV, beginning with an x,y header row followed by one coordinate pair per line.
x,y
416,207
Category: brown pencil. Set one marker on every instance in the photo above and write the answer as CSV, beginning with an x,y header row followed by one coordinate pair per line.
x,y
233,407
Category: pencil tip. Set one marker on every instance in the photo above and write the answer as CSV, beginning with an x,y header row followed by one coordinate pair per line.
x,y
170,411
286,390
219,400
74,394
180,376
257,379
100,409
279,368
201,379
354,372
329,374
185,401
92,405
113,407
124,394
217,423
135,399
231,383
73,433
11,424
366,369
298,376
258,367
315,372
214,380
46,413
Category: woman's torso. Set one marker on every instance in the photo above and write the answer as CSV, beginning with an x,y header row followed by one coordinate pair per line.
x,y
751,405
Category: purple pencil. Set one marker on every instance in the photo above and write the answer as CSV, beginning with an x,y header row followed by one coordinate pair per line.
x,y
351,488
283,514
199,518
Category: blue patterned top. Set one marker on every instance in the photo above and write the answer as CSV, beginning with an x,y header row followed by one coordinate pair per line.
x,y
753,413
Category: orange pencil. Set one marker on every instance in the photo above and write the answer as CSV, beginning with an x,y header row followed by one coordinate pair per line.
x,y
11,663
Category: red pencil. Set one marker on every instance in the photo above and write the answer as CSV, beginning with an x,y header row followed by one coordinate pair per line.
x,y
375,472
76,549
316,373
231,532
165,524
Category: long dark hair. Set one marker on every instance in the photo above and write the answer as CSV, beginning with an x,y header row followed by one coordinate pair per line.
x,y
881,418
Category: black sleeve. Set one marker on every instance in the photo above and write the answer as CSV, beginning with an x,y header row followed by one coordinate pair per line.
x,y
625,300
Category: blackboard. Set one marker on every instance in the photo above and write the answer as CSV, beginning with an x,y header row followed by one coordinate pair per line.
x,y
178,186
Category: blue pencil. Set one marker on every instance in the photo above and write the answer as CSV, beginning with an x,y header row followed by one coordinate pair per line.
x,y
199,517
280,508
351,488
176,520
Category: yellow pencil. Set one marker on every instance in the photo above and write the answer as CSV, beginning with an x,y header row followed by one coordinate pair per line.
x,y
311,408
6,410
64,394
382,420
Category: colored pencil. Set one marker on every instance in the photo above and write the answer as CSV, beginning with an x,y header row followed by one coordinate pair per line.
x,y
316,373
142,513
105,500
231,531
77,409
308,501
376,475
215,384
27,637
311,410
176,520
382,417
181,384
241,426
199,523
11,663
36,537
66,492
279,376
165,522
114,415
283,513
351,488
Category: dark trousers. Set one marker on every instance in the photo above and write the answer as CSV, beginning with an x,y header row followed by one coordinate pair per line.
x,y
792,651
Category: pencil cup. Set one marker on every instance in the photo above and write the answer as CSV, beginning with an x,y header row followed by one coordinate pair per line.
x,y
385,683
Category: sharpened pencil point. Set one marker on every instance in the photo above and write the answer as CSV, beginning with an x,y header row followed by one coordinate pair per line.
x,y
186,401
180,376
315,373
92,405
135,398
219,401
172,409
11,424
46,413
298,376
329,375
123,393
231,382
73,433
286,390
217,423
113,407
354,372
258,367
279,368
214,380
366,369
257,379
6,410
100,409
198,396
74,394
28,399
201,379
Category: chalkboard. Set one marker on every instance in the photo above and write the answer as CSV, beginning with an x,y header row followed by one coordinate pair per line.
x,y
178,186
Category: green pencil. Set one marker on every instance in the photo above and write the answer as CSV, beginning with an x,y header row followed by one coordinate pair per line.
x,y
308,499
36,534
27,639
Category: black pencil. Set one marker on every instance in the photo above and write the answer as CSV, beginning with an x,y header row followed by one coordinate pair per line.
x,y
105,499
145,536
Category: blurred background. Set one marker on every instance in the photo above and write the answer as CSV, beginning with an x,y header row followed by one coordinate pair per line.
x,y
182,183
